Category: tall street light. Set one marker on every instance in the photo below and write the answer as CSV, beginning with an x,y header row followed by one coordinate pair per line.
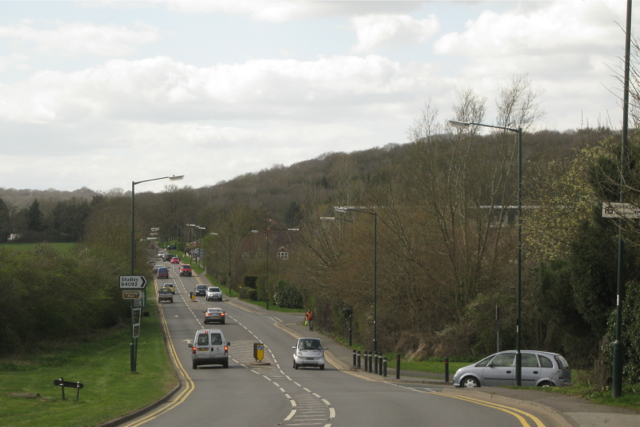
x,y
375,268
466,125
229,257
134,341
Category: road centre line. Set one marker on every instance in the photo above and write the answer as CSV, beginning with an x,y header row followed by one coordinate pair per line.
x,y
293,412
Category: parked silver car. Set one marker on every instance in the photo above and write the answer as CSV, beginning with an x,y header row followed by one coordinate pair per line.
x,y
308,352
539,368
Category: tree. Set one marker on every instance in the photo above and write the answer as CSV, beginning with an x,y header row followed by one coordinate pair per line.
x,y
35,218
5,221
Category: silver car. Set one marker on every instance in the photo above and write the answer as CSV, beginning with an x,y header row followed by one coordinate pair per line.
x,y
539,368
213,294
308,352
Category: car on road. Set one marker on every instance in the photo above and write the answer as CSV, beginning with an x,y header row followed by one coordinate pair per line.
x,y
165,294
308,352
185,270
170,287
212,315
213,294
156,267
209,348
168,257
539,368
162,273
175,260
200,290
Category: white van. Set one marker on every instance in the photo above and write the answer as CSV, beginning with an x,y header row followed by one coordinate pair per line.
x,y
209,348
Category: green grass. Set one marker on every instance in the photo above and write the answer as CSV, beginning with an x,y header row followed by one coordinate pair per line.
x,y
102,363
23,247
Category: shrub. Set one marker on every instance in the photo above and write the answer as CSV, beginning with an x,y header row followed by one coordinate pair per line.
x,y
287,295
248,293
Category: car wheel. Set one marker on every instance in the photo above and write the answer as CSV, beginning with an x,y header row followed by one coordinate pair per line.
x,y
322,367
545,384
225,364
194,365
294,365
470,382
222,323
171,300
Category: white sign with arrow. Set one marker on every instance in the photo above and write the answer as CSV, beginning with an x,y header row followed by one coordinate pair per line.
x,y
133,282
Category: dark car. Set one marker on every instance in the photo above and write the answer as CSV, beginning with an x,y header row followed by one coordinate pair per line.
x,y
201,290
168,257
163,273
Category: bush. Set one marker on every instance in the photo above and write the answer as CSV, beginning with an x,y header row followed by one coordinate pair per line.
x,y
287,295
630,333
248,293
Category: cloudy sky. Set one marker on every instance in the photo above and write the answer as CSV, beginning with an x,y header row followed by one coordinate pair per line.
x,y
101,93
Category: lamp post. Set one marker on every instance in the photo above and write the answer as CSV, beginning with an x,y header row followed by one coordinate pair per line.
x,y
465,125
134,341
267,257
228,255
375,266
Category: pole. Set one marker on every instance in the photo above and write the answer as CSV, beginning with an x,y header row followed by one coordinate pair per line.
x,y
267,283
375,281
519,292
229,255
617,345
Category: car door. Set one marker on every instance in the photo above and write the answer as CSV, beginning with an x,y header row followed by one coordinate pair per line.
x,y
531,371
500,371
203,350
217,346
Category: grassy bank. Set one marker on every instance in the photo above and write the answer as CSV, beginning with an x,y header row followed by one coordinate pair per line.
x,y
102,363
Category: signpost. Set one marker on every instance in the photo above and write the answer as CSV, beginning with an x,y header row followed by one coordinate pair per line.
x,y
133,282
131,294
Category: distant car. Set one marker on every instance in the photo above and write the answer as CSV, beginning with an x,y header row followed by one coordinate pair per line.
x,y
209,348
156,267
163,273
168,257
175,260
171,247
160,254
213,294
308,352
212,315
201,290
170,287
185,270
539,368
165,294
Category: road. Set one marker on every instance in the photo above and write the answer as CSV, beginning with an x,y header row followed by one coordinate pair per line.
x,y
272,393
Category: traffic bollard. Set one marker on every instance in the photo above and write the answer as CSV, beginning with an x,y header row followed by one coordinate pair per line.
x,y
359,357
380,363
370,361
446,369
354,358
384,365
375,362
366,361
397,366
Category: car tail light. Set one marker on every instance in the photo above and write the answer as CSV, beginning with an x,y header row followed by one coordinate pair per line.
x,y
221,314
226,349
193,350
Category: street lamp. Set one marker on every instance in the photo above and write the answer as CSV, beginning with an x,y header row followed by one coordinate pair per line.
x,y
267,257
229,256
134,341
466,125
375,266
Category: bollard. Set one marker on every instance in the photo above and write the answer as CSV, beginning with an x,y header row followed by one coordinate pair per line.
x,y
370,361
397,366
354,358
380,357
384,364
446,369
359,354
375,362
366,360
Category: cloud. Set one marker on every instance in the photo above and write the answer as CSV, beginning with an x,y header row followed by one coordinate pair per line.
x,y
80,38
283,11
374,31
163,89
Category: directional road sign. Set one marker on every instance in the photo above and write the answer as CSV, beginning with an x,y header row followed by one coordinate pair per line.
x,y
133,282
131,294
620,210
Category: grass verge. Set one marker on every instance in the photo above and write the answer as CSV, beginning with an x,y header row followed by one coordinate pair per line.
x,y
102,363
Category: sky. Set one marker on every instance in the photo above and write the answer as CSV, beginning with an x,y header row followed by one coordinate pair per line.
x,y
100,94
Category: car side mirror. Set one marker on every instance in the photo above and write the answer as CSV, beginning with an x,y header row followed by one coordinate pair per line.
x,y
293,346
228,343
190,344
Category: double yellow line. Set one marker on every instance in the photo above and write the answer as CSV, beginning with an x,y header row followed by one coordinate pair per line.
x,y
189,386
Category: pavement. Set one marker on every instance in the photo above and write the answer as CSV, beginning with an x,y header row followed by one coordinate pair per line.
x,y
566,411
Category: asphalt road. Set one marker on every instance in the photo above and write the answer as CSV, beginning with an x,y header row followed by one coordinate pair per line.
x,y
272,393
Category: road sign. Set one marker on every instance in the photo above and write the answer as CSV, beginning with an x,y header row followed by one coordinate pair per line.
x,y
133,282
620,210
131,294
63,383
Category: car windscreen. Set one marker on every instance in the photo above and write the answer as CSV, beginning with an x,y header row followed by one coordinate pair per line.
x,y
201,287
214,289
